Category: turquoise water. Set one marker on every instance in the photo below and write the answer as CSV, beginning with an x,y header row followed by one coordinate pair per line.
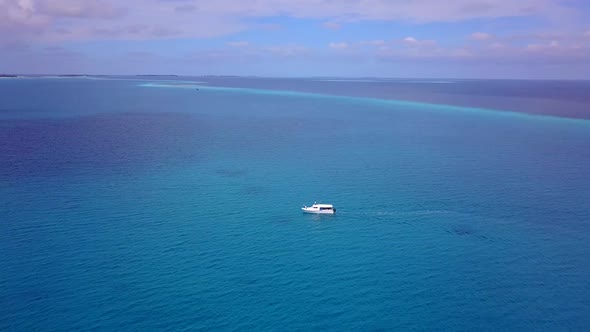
x,y
125,205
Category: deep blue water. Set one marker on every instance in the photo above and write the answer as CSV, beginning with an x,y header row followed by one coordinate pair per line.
x,y
142,205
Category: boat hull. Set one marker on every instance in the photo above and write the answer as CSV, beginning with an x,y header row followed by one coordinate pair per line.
x,y
317,211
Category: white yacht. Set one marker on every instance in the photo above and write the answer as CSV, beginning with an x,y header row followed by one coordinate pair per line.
x,y
319,208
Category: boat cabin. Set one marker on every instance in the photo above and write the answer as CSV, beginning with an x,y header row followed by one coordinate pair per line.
x,y
319,208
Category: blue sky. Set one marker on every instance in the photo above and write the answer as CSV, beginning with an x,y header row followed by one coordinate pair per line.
x,y
388,38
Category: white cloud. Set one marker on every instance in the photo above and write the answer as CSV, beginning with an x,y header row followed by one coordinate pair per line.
x,y
417,11
481,36
19,16
553,45
94,9
377,42
36,19
338,46
332,25
497,45
461,53
289,50
239,44
410,40
30,21
413,42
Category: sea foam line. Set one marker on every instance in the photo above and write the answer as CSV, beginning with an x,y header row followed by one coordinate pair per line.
x,y
377,101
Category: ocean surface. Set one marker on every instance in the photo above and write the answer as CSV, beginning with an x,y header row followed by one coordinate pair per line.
x,y
138,204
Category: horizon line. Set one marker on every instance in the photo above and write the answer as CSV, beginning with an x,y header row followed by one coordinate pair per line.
x,y
16,75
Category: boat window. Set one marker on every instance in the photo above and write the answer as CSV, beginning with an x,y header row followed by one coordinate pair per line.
x,y
325,208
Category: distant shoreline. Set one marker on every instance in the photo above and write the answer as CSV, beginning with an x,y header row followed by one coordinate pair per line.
x,y
325,78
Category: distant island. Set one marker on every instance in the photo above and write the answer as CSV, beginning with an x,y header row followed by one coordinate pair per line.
x,y
74,75
152,75
223,76
8,75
